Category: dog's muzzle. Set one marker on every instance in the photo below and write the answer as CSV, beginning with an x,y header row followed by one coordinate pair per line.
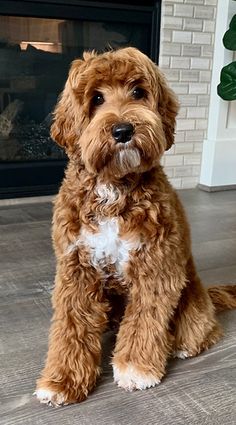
x,y
122,132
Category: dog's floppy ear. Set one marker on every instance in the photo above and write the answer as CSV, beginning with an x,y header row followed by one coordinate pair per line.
x,y
63,127
168,107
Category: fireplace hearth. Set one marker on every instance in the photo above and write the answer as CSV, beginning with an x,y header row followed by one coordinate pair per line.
x,y
38,41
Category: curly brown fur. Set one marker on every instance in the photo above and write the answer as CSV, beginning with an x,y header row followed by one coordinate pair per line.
x,y
120,233
223,297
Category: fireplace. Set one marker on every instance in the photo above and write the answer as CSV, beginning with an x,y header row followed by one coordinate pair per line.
x,y
38,41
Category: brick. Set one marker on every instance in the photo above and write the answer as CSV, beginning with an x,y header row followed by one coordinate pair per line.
x,y
184,148
180,62
200,63
196,112
185,124
176,183
172,22
167,9
207,52
198,88
182,37
183,10
193,24
180,88
204,12
182,113
194,1
205,76
189,182
169,171
191,50
164,62
172,74
201,124
172,160
189,75
201,38
203,100
179,137
166,35
183,171
171,151
196,169
211,2
172,49
209,26
187,100
194,136
193,159
197,147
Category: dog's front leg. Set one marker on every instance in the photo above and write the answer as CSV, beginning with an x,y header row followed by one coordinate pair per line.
x,y
80,316
144,341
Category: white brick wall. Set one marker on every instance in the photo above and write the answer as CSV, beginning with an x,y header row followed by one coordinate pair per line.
x,y
186,53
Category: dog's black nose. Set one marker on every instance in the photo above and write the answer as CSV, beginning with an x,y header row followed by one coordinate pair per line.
x,y
122,132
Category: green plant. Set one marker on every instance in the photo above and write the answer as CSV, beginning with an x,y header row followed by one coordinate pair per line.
x,y
227,87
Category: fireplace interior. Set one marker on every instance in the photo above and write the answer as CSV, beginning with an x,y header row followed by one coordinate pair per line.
x,y
38,41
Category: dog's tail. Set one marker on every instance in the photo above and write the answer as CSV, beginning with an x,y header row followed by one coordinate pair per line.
x,y
223,296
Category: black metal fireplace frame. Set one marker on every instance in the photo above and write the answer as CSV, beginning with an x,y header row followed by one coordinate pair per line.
x,y
19,179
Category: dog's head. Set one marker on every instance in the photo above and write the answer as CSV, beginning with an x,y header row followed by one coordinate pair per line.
x,y
116,114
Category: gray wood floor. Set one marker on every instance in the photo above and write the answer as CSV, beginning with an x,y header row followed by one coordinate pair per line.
x,y
195,391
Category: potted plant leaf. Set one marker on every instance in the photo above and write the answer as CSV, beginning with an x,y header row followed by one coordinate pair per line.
x,y
227,87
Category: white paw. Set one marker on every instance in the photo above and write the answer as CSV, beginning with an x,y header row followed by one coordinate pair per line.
x,y
181,354
130,379
51,398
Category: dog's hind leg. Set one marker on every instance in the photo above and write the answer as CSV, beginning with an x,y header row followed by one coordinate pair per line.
x,y
80,316
194,323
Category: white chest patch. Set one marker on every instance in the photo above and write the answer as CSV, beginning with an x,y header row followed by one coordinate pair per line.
x,y
106,193
106,246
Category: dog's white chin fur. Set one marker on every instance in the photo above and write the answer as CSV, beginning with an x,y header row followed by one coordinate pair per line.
x,y
130,379
128,159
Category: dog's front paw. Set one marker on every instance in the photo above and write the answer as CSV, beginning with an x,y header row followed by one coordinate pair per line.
x,y
181,354
129,378
51,398
57,395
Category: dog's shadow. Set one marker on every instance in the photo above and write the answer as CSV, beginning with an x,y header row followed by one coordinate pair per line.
x,y
108,343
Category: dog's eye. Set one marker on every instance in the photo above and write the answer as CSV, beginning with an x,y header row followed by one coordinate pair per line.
x,y
138,93
98,99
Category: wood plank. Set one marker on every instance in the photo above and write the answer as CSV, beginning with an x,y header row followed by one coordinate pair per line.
x,y
195,391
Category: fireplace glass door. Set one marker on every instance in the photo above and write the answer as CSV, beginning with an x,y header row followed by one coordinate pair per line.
x,y
35,55
34,63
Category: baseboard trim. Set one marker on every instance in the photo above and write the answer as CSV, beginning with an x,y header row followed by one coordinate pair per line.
x,y
216,188
26,200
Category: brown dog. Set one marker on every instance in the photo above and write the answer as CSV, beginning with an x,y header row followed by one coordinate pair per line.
x,y
120,231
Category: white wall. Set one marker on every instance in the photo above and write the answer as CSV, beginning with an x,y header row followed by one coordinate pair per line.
x,y
218,167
